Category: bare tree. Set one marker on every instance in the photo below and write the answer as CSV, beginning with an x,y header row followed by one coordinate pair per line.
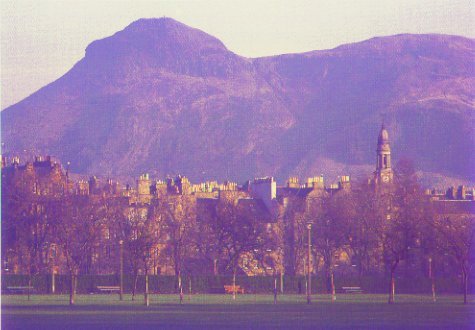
x,y
207,246
294,234
25,222
139,234
366,227
458,239
176,217
148,235
32,233
432,246
77,232
236,233
406,210
331,216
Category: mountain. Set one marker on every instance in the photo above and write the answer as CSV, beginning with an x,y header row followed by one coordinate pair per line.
x,y
165,98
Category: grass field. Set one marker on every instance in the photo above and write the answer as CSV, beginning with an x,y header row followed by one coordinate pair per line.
x,y
247,311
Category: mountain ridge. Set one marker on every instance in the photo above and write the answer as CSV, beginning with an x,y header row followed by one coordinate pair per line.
x,y
184,103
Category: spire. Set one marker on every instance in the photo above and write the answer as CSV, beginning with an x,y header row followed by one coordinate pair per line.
x,y
383,171
383,137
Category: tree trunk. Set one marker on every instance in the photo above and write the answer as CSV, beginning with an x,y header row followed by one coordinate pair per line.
x,y
72,289
180,288
53,284
360,266
392,287
121,270
328,273
432,279
367,264
29,286
332,284
189,289
134,288
234,284
177,261
215,267
275,290
465,286
146,298
281,283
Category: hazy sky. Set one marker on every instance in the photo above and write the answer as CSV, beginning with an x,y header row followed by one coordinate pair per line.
x,y
41,40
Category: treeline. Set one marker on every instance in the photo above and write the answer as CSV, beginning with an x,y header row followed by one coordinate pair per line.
x,y
364,230
93,234
389,227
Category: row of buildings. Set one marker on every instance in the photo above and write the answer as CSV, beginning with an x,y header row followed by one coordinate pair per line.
x,y
261,199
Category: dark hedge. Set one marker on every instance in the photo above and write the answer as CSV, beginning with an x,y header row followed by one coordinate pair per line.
x,y
251,284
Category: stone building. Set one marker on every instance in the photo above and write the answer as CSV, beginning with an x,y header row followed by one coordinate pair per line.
x,y
282,208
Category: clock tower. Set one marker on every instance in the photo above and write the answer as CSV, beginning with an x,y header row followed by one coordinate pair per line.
x,y
383,173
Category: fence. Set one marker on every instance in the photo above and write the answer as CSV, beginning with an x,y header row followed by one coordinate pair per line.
x,y
251,284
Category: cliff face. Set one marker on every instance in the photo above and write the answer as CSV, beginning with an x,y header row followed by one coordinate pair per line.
x,y
164,98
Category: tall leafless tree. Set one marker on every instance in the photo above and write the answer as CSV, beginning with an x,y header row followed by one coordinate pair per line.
x,y
458,239
331,216
176,218
77,231
406,210
366,228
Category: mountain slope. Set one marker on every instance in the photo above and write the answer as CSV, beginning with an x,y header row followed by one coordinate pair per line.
x,y
165,98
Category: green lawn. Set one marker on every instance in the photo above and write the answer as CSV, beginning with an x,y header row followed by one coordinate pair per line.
x,y
247,311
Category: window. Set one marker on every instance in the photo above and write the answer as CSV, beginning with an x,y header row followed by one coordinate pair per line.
x,y
94,257
107,234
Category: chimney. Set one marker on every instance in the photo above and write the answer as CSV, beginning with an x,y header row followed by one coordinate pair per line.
x,y
462,192
265,189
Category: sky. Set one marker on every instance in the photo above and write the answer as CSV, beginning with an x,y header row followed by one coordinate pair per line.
x,y
42,40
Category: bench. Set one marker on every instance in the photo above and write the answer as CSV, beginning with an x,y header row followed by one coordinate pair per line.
x,y
19,289
107,289
230,289
352,289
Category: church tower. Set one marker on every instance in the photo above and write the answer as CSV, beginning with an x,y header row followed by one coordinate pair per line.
x,y
383,173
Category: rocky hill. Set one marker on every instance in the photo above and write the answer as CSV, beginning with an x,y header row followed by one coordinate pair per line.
x,y
164,98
